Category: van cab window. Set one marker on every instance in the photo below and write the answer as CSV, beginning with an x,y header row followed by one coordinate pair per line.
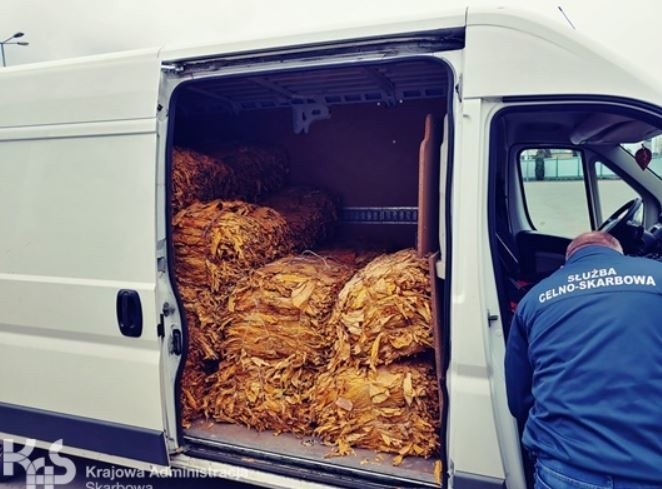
x,y
554,191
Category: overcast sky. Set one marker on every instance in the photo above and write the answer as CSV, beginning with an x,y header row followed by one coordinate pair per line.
x,y
65,28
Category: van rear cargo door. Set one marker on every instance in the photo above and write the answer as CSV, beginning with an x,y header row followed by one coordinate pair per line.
x,y
81,356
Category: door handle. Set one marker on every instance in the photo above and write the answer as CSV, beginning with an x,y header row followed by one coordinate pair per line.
x,y
129,313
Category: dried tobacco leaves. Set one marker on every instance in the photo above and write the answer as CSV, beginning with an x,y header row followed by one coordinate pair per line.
x,y
203,313
262,394
281,310
392,409
384,313
235,171
198,177
310,214
356,257
259,169
218,243
276,339
215,244
273,329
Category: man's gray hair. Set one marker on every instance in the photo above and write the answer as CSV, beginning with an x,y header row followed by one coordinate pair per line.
x,y
593,238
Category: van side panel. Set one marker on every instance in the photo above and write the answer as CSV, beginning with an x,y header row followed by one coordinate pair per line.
x,y
109,87
78,226
77,213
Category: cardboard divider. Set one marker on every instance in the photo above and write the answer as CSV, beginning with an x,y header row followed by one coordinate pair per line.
x,y
428,186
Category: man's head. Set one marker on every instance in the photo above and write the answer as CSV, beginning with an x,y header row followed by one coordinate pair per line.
x,y
593,238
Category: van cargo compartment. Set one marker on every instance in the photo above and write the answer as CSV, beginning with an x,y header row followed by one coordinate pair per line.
x,y
361,134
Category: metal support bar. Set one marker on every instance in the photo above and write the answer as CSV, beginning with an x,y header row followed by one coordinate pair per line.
x,y
385,84
379,215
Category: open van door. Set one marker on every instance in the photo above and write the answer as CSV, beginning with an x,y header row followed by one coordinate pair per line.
x,y
81,356
516,62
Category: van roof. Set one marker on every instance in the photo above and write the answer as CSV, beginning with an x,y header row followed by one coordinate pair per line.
x,y
444,19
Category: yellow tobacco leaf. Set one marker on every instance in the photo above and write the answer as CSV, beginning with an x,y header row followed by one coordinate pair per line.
x,y
345,404
408,389
302,293
437,471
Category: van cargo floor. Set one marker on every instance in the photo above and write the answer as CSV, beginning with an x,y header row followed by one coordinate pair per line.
x,y
252,446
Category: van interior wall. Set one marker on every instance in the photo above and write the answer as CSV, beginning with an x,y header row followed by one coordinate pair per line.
x,y
367,155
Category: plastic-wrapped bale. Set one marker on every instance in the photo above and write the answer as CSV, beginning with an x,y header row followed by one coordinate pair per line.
x,y
282,309
218,242
199,177
384,312
310,213
262,394
392,409
259,169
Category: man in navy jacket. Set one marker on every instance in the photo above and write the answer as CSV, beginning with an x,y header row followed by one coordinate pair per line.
x,y
584,369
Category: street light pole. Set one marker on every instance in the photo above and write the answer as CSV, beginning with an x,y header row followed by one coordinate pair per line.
x,y
7,41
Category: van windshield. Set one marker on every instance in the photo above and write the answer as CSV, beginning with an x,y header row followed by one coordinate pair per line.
x,y
655,145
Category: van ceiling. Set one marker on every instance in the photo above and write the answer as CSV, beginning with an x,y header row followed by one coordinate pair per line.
x,y
385,83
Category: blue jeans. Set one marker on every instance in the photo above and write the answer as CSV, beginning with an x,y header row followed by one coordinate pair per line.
x,y
552,474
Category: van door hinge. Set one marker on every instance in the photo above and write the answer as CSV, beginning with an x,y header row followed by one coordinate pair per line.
x,y
160,328
166,310
176,343
491,317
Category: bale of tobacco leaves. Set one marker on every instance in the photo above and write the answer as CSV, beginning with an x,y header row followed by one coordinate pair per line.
x,y
194,389
281,310
203,314
262,394
384,312
217,243
393,409
198,177
259,169
310,214
231,171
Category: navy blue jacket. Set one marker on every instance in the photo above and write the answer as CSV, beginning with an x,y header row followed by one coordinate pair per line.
x,y
584,365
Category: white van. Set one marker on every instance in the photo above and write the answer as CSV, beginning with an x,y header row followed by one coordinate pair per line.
x,y
532,120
